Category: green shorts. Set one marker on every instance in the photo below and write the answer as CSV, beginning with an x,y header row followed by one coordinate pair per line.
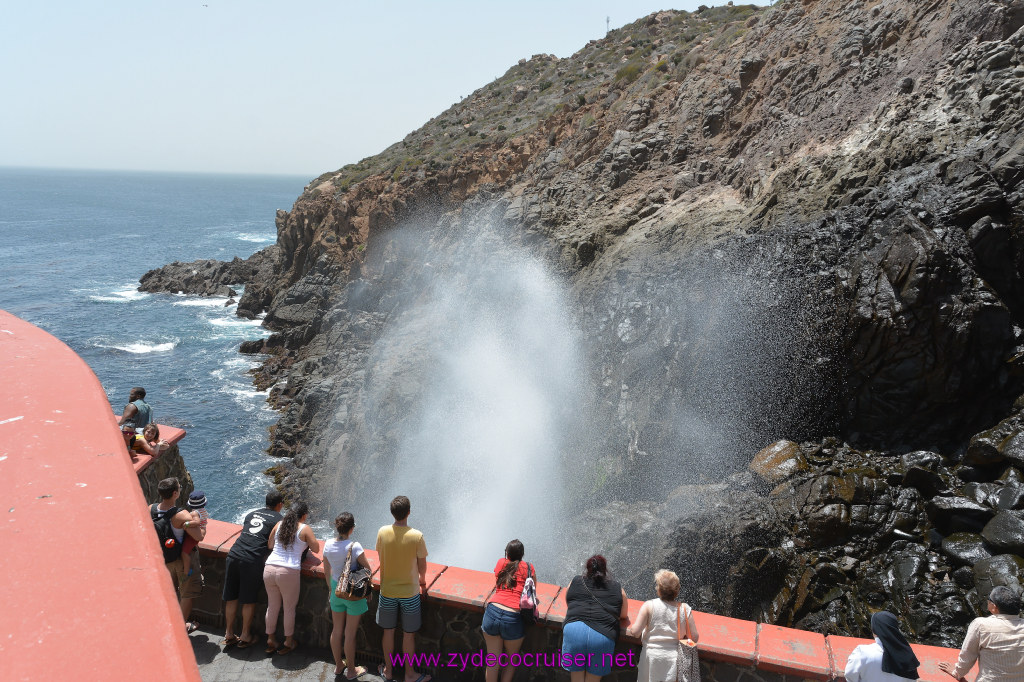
x,y
354,607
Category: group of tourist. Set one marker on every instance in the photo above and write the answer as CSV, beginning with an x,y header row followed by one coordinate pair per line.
x,y
270,548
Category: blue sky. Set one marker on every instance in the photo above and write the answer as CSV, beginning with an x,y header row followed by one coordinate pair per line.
x,y
297,87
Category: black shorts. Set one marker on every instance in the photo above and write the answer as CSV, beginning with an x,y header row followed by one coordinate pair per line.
x,y
242,581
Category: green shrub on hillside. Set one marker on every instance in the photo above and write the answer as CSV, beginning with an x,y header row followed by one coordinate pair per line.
x,y
629,73
730,33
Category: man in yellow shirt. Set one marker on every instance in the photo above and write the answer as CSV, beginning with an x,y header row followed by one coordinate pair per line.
x,y
403,572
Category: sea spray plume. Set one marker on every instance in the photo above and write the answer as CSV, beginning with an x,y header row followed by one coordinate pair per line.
x,y
473,392
701,361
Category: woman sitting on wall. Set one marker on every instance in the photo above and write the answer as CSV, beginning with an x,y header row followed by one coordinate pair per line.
x,y
149,442
502,625
660,624
344,612
888,659
596,606
288,540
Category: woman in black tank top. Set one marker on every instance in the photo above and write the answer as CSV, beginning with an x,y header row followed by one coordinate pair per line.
x,y
597,604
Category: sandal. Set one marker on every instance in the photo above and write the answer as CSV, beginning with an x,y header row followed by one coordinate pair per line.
x,y
380,671
229,641
271,648
245,643
285,650
190,627
360,671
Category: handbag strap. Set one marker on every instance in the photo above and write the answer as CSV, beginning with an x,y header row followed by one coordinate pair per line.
x,y
600,603
679,636
348,566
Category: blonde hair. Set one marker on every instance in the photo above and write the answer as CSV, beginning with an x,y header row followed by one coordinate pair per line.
x,y
151,432
667,584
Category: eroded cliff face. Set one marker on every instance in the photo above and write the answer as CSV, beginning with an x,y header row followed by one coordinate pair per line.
x,y
800,222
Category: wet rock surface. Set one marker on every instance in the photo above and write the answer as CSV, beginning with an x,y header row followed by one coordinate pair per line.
x,y
211,277
829,545
807,229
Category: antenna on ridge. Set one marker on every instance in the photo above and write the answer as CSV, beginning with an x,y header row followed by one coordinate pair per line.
x,y
607,25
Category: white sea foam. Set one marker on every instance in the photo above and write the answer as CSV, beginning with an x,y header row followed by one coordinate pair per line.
x,y
249,399
234,322
214,302
254,237
140,347
123,295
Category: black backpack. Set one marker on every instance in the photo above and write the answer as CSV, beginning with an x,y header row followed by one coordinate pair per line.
x,y
165,532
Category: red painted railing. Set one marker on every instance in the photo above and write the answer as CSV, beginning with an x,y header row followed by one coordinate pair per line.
x,y
85,593
772,648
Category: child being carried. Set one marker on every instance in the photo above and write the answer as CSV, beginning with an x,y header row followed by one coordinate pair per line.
x,y
196,505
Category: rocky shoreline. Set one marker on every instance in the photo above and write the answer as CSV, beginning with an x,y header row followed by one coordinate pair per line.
x,y
799,224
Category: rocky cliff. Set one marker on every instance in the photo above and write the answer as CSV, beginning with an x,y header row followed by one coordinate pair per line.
x,y
800,222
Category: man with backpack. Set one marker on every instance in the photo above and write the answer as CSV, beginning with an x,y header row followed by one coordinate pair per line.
x,y
172,523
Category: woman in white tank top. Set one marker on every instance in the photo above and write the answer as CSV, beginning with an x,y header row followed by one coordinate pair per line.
x,y
289,538
656,626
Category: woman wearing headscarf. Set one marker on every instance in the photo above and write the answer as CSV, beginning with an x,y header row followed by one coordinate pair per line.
x,y
888,659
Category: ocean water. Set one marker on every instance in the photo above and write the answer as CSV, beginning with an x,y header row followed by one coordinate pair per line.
x,y
73,245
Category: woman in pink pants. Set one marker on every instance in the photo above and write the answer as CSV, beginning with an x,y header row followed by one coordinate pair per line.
x,y
288,540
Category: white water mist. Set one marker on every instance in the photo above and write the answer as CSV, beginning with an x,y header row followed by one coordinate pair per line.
x,y
473,390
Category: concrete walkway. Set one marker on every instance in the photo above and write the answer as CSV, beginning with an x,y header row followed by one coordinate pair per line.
x,y
234,664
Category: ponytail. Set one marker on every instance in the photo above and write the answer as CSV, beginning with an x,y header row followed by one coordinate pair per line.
x,y
507,576
290,524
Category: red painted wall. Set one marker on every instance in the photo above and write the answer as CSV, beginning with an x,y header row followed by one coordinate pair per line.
x,y
84,594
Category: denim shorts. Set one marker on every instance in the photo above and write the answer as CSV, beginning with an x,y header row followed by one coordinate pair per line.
x,y
501,623
579,640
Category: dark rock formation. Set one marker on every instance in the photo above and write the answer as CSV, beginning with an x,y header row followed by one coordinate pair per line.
x,y
214,278
802,222
1005,533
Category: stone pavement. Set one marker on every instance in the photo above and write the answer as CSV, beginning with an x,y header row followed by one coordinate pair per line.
x,y
233,664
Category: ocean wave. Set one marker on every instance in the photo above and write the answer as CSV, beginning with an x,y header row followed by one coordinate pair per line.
x,y
245,392
245,396
238,335
140,347
206,302
254,237
123,295
234,322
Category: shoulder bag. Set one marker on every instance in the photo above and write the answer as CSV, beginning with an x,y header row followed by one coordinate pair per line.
x,y
355,584
528,600
687,662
